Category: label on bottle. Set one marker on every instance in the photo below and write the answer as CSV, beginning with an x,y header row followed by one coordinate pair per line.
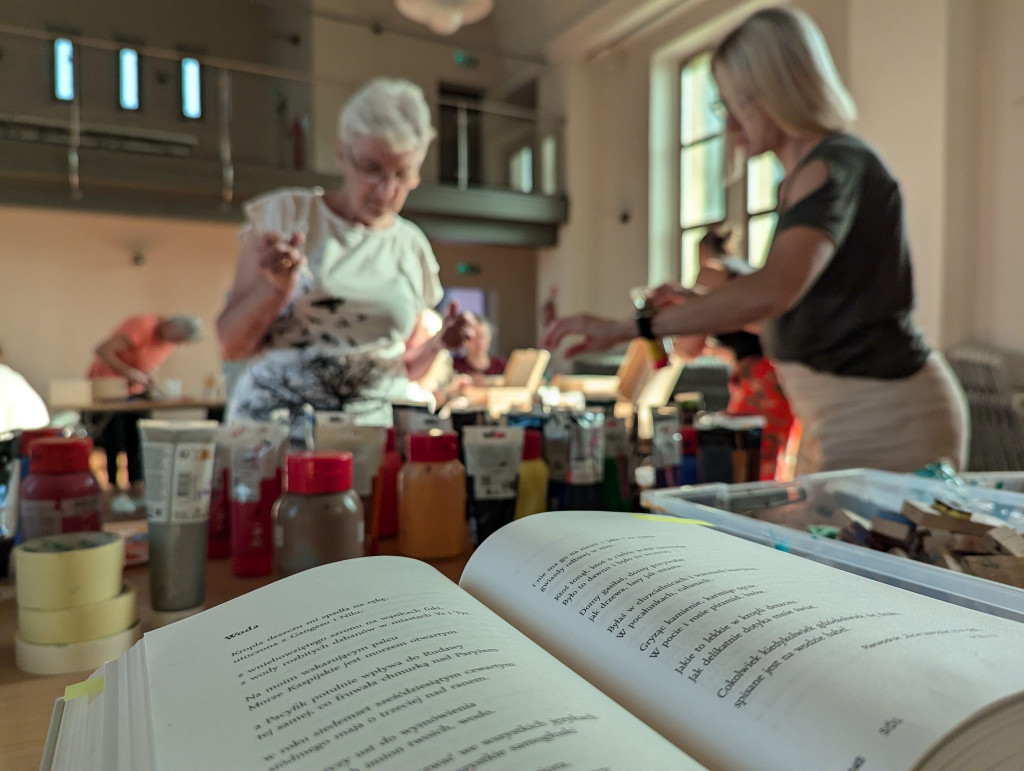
x,y
494,467
49,517
178,480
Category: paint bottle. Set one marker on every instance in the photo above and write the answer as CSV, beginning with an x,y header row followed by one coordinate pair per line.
x,y
666,447
583,488
618,467
257,460
60,494
219,541
493,457
10,485
658,349
432,498
531,496
690,406
385,497
32,435
556,455
319,518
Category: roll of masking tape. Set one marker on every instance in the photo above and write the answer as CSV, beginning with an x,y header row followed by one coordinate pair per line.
x,y
39,659
68,569
85,622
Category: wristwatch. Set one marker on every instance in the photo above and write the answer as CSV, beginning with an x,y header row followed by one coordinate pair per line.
x,y
645,324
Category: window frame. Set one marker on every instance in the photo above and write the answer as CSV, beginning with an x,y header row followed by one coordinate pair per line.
x,y
681,146
735,186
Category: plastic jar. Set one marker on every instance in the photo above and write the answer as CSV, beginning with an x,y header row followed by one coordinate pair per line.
x,y
532,497
60,494
319,518
432,498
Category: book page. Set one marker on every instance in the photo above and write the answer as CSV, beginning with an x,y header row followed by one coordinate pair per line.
x,y
746,657
376,663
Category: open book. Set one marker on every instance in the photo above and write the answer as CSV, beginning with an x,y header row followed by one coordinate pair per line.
x,y
577,640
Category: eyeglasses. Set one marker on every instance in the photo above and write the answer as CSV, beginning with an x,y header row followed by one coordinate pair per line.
x,y
373,172
723,111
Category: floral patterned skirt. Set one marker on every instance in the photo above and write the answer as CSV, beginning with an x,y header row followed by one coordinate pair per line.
x,y
754,390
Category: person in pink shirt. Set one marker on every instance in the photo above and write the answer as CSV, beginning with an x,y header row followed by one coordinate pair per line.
x,y
139,345
134,350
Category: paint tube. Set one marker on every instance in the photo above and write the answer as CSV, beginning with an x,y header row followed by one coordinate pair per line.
x,y
178,465
493,456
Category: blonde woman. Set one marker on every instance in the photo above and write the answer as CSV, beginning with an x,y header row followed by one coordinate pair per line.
x,y
330,286
834,298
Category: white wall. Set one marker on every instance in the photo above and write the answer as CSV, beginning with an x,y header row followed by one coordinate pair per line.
x,y
68,280
918,100
998,253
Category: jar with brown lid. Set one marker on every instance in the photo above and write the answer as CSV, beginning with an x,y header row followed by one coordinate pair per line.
x,y
319,518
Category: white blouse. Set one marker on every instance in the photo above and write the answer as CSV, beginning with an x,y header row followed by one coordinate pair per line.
x,y
338,343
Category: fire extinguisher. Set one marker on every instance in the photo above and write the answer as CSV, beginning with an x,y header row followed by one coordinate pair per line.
x,y
298,137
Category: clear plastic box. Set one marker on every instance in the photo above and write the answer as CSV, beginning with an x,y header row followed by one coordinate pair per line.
x,y
777,513
1009,481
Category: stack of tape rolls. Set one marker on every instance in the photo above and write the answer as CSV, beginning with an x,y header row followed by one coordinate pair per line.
x,y
74,611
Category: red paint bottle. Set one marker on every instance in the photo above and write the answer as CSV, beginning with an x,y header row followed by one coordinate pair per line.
x,y
60,494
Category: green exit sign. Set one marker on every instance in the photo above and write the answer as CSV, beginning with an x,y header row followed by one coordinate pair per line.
x,y
468,269
464,59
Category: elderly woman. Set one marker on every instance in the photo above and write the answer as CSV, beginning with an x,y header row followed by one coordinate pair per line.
x,y
836,293
330,286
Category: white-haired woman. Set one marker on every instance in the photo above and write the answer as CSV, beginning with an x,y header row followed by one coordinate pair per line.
x,y
330,285
836,292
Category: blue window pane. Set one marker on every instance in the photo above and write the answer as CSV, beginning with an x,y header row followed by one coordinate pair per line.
x,y
191,89
63,69
129,79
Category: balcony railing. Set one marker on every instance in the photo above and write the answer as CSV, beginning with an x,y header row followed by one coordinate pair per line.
x,y
257,125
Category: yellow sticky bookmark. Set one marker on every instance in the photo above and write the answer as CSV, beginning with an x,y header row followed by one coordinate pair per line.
x,y
92,688
674,520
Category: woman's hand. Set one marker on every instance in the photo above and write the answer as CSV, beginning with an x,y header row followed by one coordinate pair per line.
x,y
456,328
598,334
280,260
670,293
138,377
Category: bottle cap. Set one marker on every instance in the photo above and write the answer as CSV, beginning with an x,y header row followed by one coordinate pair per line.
x,y
60,456
29,436
433,447
533,444
317,473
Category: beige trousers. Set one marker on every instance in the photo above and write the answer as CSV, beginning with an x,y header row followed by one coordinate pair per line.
x,y
892,425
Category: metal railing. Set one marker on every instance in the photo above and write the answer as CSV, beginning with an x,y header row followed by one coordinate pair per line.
x,y
255,115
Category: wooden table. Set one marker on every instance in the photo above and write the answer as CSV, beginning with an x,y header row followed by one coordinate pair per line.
x,y
26,701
